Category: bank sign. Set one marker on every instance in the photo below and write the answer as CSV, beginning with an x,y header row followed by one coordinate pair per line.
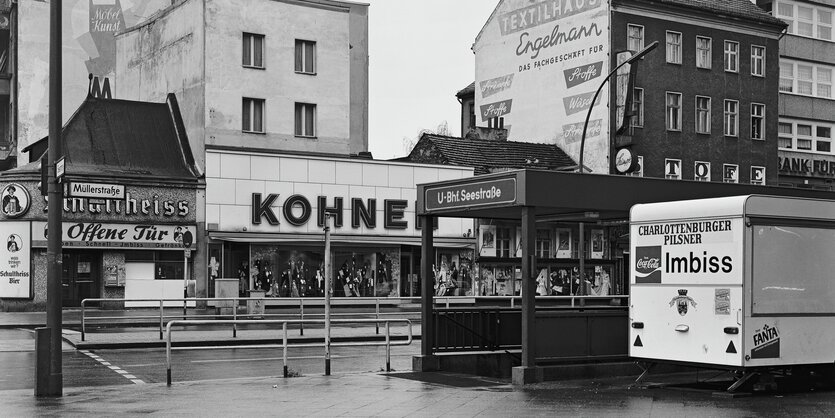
x,y
688,252
491,192
538,64
15,260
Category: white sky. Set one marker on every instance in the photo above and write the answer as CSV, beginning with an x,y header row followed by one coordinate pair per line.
x,y
419,57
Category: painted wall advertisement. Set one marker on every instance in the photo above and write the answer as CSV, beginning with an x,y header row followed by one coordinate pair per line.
x,y
538,65
688,252
15,258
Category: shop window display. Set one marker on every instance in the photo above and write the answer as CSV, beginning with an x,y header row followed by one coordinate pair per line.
x,y
453,274
364,274
286,273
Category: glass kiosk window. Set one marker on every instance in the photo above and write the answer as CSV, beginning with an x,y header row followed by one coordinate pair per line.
x,y
794,271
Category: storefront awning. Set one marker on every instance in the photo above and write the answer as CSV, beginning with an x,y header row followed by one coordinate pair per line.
x,y
352,240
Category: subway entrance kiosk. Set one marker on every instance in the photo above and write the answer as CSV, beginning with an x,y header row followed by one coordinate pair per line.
x,y
745,283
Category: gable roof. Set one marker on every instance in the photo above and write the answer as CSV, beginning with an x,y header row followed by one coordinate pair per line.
x,y
487,156
108,138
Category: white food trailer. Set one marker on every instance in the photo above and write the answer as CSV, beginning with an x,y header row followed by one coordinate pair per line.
x,y
744,282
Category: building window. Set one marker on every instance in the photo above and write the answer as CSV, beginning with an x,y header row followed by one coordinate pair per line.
x,y
305,119
543,243
253,115
673,111
823,139
305,57
785,132
732,56
701,171
502,242
757,121
637,119
635,37
702,115
672,169
639,168
806,19
730,173
757,175
731,117
674,47
253,50
703,52
758,61
804,137
806,79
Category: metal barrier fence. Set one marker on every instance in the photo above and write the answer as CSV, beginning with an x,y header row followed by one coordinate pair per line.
x,y
388,343
445,301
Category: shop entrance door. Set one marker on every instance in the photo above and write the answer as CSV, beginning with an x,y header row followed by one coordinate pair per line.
x,y
80,279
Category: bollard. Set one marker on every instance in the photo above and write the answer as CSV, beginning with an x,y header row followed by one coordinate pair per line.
x,y
161,318
168,356
377,316
82,320
284,354
235,318
301,314
388,348
42,336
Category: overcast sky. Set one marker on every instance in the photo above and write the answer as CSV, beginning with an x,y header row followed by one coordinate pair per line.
x,y
420,57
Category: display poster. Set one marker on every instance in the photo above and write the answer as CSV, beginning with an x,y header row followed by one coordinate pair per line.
x,y
15,260
597,243
563,243
487,240
538,65
518,241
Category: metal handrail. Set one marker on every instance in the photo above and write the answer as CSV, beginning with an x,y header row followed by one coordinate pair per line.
x,y
388,343
438,300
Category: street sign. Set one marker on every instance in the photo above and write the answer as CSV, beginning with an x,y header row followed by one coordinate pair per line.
x,y
96,190
478,193
60,169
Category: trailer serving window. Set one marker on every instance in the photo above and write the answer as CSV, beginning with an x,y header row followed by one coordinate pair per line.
x,y
793,270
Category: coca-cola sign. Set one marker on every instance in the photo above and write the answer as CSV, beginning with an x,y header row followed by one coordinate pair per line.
x,y
648,264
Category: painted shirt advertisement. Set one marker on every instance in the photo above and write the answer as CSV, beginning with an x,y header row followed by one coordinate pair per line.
x,y
538,65
704,251
89,47
15,257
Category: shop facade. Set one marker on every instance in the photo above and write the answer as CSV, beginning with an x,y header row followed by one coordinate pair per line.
x,y
130,248
265,218
807,170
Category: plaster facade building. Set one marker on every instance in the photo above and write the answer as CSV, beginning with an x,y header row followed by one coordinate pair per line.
x,y
807,105
273,75
702,106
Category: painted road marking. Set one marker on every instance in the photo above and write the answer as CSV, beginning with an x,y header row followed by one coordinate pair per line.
x,y
116,369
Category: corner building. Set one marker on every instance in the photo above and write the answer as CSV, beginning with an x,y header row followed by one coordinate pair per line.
x,y
701,106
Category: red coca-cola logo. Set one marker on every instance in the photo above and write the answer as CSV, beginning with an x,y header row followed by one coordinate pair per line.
x,y
648,264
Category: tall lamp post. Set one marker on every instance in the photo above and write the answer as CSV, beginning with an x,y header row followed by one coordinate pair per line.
x,y
637,56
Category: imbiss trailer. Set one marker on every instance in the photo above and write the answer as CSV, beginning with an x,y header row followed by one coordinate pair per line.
x,y
744,283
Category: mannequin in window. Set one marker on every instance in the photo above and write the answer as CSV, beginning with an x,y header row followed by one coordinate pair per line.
x,y
243,278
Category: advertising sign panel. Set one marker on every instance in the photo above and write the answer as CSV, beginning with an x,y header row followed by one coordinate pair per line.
x,y
690,252
107,235
15,257
547,58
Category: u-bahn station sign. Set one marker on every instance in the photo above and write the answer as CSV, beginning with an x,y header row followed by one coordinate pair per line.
x,y
482,193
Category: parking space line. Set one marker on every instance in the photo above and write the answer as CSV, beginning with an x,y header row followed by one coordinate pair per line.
x,y
116,369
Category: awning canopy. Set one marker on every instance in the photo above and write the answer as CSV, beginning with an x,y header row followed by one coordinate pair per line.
x,y
573,196
351,240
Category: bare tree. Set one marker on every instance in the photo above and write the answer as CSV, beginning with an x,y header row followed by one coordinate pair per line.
x,y
441,129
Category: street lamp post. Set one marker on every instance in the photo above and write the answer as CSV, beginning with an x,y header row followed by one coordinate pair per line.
x,y
634,57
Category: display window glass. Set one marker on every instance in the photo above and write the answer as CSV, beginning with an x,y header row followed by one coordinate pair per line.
x,y
454,273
